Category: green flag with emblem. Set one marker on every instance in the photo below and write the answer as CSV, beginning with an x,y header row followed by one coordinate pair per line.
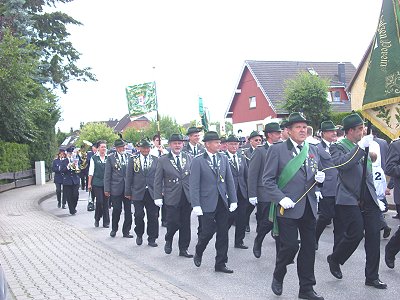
x,y
142,98
382,82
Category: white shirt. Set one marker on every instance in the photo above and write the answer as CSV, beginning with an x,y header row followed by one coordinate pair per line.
x,y
142,160
211,157
328,145
154,151
91,166
180,158
295,146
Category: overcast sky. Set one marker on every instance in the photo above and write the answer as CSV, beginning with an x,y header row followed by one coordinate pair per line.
x,y
198,48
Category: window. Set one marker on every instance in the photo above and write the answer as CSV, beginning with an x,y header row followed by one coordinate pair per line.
x,y
336,96
252,101
260,127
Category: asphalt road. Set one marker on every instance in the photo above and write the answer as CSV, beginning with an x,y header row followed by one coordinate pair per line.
x,y
252,277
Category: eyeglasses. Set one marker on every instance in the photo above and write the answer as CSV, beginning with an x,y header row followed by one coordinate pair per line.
x,y
257,140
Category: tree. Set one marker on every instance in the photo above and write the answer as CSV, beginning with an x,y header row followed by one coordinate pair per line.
x,y
168,126
93,132
308,94
48,32
228,127
133,135
60,137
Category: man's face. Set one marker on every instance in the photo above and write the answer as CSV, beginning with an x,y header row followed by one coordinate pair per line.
x,y
355,134
176,147
285,134
233,147
144,150
120,149
213,146
274,137
298,132
94,149
223,147
194,138
102,149
255,141
157,142
330,136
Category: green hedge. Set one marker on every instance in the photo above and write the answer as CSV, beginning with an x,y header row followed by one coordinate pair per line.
x,y
14,157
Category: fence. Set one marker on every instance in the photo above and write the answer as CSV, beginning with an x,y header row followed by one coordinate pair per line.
x,y
19,179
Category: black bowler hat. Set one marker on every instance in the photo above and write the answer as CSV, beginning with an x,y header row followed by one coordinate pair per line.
x,y
272,127
193,130
232,138
283,124
211,136
254,134
176,137
144,143
70,149
351,121
223,139
296,117
61,150
328,126
119,143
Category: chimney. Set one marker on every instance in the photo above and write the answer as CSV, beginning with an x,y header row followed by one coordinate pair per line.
x,y
342,73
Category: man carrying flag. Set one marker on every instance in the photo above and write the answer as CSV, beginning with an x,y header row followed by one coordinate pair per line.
x,y
290,175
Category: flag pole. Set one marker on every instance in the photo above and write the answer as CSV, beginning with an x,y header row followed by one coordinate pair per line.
x,y
157,114
364,174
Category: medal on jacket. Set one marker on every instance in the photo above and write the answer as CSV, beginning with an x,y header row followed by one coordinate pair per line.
x,y
221,178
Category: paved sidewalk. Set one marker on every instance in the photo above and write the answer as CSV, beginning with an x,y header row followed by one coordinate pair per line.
x,y
45,258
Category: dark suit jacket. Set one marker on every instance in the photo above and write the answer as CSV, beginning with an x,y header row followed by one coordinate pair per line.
x,y
329,187
70,177
239,176
349,175
278,156
200,149
114,175
393,169
384,147
206,184
170,181
247,154
256,170
138,180
58,176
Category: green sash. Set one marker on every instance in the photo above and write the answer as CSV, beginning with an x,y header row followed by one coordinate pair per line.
x,y
287,174
349,145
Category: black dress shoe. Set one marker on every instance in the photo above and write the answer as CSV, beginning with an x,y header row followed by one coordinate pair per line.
x,y
276,287
334,267
396,216
168,247
152,243
113,233
376,284
241,246
127,235
197,260
59,205
389,261
257,249
63,207
185,253
139,240
96,223
386,232
247,228
311,295
223,269
106,225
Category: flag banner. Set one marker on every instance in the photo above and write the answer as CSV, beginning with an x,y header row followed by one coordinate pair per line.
x,y
382,90
203,115
142,98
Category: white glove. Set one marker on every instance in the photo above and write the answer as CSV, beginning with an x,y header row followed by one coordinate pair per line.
x,y
319,177
382,205
158,202
197,210
287,203
253,201
233,207
318,195
365,141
